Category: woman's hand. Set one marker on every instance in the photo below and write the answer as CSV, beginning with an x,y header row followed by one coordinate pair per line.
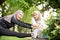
x,y
35,26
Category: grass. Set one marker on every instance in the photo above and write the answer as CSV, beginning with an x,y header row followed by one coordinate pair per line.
x,y
11,38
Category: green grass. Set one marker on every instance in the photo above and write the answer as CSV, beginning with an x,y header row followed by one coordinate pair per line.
x,y
11,38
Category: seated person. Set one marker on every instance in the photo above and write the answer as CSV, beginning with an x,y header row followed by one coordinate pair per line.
x,y
39,23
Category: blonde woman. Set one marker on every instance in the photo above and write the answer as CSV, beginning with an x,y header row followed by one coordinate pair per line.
x,y
37,21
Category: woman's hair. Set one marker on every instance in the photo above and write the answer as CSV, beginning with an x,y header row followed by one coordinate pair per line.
x,y
36,12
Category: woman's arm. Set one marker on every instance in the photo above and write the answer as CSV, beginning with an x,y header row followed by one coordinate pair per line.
x,y
20,23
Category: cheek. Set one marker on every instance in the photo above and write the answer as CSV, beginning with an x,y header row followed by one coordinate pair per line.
x,y
21,17
18,17
36,16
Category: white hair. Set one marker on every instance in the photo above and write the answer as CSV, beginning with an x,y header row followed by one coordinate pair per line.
x,y
17,12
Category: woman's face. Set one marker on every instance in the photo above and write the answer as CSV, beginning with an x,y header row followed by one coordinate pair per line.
x,y
36,16
19,16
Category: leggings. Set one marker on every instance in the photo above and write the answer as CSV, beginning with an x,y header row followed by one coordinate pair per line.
x,y
7,32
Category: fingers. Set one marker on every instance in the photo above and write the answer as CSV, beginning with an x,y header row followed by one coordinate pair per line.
x,y
35,26
32,35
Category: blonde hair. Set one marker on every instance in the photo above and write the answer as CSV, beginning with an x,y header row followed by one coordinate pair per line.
x,y
36,12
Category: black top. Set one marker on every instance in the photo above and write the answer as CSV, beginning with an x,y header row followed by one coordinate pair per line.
x,y
4,27
15,21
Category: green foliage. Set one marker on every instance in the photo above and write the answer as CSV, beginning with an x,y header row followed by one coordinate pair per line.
x,y
25,5
1,1
32,2
12,38
53,31
28,6
27,18
54,3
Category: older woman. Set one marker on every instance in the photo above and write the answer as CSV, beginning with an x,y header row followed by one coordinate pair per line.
x,y
7,22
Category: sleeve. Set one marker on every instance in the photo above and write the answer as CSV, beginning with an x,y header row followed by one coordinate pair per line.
x,y
43,24
7,32
33,21
20,23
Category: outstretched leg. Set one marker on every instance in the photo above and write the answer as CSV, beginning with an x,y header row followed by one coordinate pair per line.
x,y
7,32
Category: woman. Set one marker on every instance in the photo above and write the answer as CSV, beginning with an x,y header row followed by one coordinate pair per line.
x,y
37,21
7,22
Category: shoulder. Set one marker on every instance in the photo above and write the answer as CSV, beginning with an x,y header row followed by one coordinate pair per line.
x,y
8,18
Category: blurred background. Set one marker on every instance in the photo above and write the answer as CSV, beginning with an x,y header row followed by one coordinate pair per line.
x,y
49,8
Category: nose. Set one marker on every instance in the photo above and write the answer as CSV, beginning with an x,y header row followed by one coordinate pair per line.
x,y
34,16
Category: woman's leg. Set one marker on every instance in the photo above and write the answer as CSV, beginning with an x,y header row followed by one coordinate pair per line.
x,y
7,32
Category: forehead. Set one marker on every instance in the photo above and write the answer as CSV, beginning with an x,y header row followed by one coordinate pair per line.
x,y
36,12
21,14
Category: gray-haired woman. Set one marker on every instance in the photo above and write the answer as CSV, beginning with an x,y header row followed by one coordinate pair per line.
x,y
7,22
